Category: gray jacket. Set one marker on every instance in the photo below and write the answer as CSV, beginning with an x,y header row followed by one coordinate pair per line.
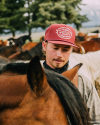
x,y
91,98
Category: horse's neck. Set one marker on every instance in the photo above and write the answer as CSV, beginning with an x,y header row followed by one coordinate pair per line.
x,y
37,49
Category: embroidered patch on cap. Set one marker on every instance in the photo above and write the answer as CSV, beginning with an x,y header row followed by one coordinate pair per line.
x,y
64,32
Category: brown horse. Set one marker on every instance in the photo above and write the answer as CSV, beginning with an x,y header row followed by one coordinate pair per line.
x,y
91,46
21,40
87,46
28,54
6,51
29,46
30,95
89,37
86,37
3,43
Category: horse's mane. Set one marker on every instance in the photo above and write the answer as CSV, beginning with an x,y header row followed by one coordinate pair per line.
x,y
68,94
37,50
20,68
70,98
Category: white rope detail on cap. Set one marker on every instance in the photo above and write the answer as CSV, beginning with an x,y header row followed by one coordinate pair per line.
x,y
64,32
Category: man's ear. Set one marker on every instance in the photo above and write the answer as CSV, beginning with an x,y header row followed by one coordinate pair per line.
x,y
44,45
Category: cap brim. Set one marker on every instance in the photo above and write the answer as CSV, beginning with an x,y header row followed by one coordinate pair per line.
x,y
63,43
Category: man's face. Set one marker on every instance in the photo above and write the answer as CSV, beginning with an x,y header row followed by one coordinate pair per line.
x,y
57,55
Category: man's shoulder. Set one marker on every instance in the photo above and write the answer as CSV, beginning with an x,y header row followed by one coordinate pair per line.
x,y
83,81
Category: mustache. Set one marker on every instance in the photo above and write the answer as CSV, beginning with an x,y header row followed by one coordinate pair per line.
x,y
58,59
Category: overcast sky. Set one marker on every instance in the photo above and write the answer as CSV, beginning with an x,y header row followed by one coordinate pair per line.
x,y
92,3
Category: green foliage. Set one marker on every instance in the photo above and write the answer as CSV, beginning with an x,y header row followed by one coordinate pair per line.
x,y
10,18
39,13
46,13
79,19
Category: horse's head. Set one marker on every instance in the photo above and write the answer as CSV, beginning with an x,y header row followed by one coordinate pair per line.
x,y
10,41
38,97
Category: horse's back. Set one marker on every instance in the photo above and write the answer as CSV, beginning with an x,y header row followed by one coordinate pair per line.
x,y
29,46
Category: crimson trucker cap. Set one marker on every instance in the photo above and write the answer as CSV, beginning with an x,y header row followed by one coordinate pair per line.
x,y
60,34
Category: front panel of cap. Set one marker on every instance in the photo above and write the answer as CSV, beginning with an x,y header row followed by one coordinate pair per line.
x,y
57,32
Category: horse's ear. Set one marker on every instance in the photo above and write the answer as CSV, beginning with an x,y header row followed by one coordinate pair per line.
x,y
70,74
35,75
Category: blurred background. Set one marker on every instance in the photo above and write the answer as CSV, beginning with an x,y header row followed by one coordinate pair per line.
x,y
32,17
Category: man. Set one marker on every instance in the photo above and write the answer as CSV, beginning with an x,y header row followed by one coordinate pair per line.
x,y
58,45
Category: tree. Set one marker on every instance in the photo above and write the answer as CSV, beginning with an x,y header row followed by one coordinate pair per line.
x,y
28,14
14,16
48,12
10,18
2,9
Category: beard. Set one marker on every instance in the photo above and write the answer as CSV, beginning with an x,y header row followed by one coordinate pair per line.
x,y
58,65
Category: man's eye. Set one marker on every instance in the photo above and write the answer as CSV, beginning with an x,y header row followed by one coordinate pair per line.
x,y
65,49
56,48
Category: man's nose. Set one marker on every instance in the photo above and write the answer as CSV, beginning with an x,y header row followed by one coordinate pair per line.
x,y
59,53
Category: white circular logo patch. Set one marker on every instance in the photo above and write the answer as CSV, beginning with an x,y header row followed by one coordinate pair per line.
x,y
64,32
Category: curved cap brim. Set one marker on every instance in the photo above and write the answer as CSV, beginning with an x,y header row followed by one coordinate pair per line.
x,y
63,43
